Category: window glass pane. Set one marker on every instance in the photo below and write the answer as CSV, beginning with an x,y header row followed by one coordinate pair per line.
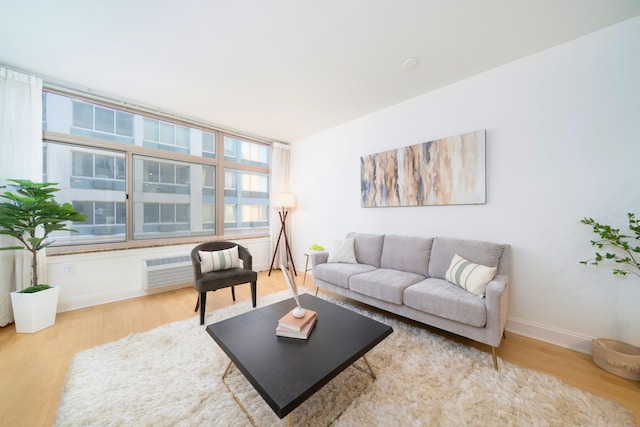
x,y
97,195
208,142
252,200
182,213
151,130
167,133
151,171
82,115
182,136
208,176
124,124
151,212
105,213
167,213
208,213
182,175
85,208
167,173
175,206
81,164
105,120
120,168
121,213
246,152
104,166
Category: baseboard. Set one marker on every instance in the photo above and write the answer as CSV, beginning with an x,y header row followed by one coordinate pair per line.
x,y
551,335
85,301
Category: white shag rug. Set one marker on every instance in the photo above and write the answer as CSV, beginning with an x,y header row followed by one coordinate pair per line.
x,y
170,376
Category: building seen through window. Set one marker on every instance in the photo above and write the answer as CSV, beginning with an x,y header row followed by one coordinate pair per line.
x,y
127,181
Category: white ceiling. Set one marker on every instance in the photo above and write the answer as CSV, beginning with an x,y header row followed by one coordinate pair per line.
x,y
283,69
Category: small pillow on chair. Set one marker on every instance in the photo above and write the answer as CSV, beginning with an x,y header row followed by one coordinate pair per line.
x,y
342,251
470,276
219,260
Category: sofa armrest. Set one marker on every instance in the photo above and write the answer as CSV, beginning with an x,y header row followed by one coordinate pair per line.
x,y
318,257
497,298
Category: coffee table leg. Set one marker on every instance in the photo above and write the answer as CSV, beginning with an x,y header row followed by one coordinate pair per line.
x,y
237,399
369,366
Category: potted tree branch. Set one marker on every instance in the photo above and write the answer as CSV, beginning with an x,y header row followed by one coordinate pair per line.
x,y
623,250
30,214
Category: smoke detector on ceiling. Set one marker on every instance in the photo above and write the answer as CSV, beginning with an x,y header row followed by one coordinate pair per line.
x,y
410,63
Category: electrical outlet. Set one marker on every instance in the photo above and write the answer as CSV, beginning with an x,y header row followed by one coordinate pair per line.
x,y
69,269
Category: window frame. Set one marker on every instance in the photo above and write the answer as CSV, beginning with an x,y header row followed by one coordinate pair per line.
x,y
131,150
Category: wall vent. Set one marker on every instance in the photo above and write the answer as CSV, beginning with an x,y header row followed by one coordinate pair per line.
x,y
161,272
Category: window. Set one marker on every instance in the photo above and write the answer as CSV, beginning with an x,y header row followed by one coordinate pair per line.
x,y
167,202
246,152
109,168
93,181
245,206
166,136
101,122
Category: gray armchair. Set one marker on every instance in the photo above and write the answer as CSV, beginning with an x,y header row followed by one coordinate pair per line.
x,y
214,280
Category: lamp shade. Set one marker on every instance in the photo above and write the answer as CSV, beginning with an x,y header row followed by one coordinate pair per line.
x,y
283,200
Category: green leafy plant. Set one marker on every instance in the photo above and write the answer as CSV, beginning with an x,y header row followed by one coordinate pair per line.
x,y
31,214
626,250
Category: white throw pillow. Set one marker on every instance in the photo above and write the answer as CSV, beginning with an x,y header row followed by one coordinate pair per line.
x,y
342,251
219,260
470,276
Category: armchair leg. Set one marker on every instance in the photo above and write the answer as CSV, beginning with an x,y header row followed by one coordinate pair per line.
x,y
233,293
253,293
203,304
197,304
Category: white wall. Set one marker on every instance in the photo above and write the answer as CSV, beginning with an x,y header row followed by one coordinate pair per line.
x,y
101,277
562,143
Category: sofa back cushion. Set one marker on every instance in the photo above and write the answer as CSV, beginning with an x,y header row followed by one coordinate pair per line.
x,y
368,248
444,248
406,253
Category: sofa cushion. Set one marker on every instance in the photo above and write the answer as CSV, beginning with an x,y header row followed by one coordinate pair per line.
x,y
368,248
470,276
384,284
339,273
444,299
406,253
444,248
342,251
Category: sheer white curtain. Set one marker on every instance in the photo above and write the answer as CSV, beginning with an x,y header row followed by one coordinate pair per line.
x,y
20,157
280,183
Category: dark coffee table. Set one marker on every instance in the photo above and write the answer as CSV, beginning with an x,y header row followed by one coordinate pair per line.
x,y
287,371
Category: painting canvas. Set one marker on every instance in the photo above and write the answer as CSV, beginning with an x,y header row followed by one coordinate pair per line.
x,y
447,171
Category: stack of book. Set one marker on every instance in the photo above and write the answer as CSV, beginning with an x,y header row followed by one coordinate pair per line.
x,y
292,327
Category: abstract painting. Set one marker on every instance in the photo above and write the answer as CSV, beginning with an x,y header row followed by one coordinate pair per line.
x,y
447,171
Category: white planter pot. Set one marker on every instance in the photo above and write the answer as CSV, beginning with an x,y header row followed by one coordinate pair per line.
x,y
36,311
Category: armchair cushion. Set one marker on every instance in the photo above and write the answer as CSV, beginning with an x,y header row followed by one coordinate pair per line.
x,y
224,259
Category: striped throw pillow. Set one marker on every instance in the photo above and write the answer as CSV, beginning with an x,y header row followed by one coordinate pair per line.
x,y
219,260
470,276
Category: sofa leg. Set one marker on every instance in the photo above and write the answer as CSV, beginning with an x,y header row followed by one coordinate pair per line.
x,y
495,359
233,294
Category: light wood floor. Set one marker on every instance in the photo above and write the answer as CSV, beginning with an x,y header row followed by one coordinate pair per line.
x,y
33,366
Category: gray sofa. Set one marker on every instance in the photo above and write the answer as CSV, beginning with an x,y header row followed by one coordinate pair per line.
x,y
405,275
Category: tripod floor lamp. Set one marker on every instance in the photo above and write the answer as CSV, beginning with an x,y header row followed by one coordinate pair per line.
x,y
283,202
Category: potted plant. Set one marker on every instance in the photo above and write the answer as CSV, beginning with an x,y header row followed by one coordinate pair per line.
x,y
30,214
623,250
